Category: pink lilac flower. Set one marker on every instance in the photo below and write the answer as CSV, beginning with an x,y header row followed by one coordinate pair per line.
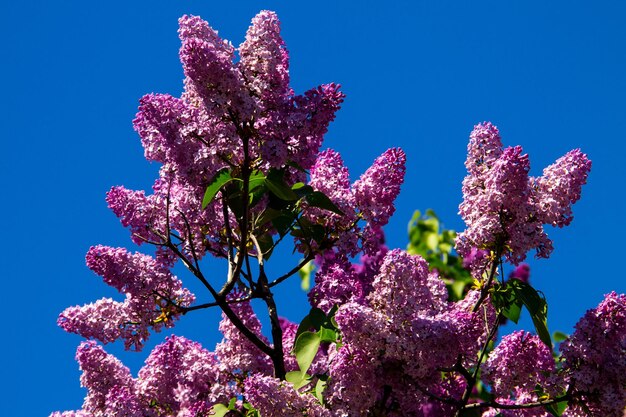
x,y
519,363
122,401
404,286
377,189
370,262
594,359
559,187
330,176
179,373
307,122
273,397
106,320
335,284
264,61
523,412
102,374
356,382
503,208
521,272
209,67
150,289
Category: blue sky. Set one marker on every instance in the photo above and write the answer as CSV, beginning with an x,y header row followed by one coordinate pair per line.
x,y
419,75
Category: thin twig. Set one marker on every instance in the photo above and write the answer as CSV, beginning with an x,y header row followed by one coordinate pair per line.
x,y
293,271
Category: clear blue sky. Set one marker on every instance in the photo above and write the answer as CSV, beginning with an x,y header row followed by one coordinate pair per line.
x,y
550,75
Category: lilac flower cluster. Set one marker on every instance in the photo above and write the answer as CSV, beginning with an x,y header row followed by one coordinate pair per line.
x,y
179,376
503,208
399,335
595,360
518,364
370,198
153,299
273,397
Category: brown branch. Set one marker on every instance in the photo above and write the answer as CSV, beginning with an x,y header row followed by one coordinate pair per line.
x,y
277,332
293,271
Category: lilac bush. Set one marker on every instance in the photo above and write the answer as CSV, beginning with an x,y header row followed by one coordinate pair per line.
x,y
390,333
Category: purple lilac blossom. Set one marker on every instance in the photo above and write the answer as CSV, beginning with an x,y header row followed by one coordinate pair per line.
x,y
330,176
519,363
273,397
179,373
150,291
559,187
102,373
335,283
504,209
521,272
594,359
377,189
264,61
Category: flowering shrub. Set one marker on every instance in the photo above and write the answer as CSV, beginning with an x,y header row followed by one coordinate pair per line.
x,y
397,333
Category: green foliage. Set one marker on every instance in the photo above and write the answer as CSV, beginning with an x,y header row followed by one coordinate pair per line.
x,y
314,329
221,410
436,245
220,179
305,275
508,298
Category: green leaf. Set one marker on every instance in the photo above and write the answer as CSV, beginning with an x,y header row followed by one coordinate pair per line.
x,y
327,335
219,180
297,378
283,222
320,200
458,287
430,224
320,386
275,183
556,409
559,336
257,179
302,190
537,307
305,275
267,215
305,348
220,410
432,241
512,312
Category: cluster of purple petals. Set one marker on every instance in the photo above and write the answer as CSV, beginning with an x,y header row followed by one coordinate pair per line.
x,y
505,209
519,363
370,198
224,104
399,335
337,281
559,187
178,378
521,272
273,397
152,296
595,360
180,373
377,189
